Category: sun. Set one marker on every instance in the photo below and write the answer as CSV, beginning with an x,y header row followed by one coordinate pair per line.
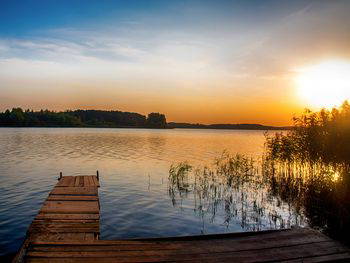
x,y
324,85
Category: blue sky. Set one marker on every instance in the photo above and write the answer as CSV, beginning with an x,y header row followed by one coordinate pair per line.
x,y
200,61
27,18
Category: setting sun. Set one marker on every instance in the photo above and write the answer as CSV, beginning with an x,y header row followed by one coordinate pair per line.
x,y
325,85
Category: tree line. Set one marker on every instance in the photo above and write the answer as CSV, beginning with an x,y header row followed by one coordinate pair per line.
x,y
184,125
17,117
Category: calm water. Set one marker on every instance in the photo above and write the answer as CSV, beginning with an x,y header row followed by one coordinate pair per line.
x,y
133,165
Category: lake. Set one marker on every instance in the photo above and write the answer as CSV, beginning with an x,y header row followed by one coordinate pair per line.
x,y
134,168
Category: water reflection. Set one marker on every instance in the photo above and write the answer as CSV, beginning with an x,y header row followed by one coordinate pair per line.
x,y
319,190
266,194
133,163
233,192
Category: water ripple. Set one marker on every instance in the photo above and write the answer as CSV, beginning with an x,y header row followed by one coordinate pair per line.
x,y
133,164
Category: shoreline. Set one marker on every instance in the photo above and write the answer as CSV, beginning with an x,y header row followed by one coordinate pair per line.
x,y
147,128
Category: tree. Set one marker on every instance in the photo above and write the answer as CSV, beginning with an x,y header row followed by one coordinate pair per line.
x,y
79,118
156,120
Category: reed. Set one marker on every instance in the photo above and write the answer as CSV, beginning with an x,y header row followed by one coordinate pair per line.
x,y
309,167
232,189
316,136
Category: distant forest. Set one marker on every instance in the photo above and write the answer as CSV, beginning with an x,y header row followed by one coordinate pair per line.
x,y
18,117
80,118
225,126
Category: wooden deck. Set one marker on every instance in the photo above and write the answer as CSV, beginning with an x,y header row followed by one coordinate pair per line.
x,y
67,230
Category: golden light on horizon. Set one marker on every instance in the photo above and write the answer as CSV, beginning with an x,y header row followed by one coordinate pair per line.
x,y
324,85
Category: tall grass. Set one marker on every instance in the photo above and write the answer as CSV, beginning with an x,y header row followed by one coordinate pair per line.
x,y
316,136
309,167
231,189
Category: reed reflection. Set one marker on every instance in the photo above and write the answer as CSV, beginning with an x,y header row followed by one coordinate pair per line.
x,y
319,191
233,188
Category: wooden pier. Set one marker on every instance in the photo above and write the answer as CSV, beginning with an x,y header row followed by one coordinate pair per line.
x,y
67,230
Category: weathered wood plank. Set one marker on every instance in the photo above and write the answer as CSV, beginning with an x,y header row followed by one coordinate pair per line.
x,y
54,236
76,183
68,210
96,182
174,248
90,236
74,191
72,198
45,230
63,221
86,181
277,254
239,243
65,181
341,257
72,216
71,204
91,180
338,257
66,224
81,181
65,227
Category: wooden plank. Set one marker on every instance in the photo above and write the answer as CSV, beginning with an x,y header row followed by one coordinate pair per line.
x,y
47,230
63,221
81,181
93,183
54,236
67,260
71,182
66,181
90,236
69,224
86,181
181,247
89,207
282,253
338,257
76,183
96,182
71,216
74,191
61,181
242,235
59,221
72,198
214,245
71,204
334,258
261,236
91,180
66,227
224,245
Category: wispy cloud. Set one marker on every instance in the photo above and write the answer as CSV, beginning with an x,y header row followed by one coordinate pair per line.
x,y
208,54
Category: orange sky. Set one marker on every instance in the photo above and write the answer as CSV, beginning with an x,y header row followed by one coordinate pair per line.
x,y
209,63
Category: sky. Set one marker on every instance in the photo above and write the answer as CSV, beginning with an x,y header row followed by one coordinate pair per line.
x,y
194,61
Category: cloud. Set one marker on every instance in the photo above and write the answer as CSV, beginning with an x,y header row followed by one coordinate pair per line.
x,y
234,57
99,60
